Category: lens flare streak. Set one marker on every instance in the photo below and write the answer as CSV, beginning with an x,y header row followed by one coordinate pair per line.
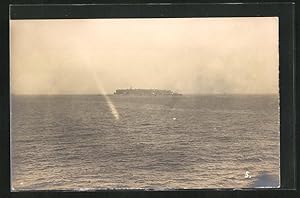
x,y
109,102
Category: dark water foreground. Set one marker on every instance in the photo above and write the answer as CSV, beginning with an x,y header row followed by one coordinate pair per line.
x,y
78,142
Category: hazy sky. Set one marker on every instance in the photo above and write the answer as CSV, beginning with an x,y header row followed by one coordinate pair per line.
x,y
192,55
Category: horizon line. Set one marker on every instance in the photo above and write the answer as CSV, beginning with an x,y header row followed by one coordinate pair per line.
x,y
99,94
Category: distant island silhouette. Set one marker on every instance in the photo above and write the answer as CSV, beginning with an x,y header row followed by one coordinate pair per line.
x,y
146,92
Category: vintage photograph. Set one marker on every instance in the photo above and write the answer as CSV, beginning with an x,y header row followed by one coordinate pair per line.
x,y
153,103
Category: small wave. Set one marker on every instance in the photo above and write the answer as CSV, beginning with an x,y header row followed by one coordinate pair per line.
x,y
146,124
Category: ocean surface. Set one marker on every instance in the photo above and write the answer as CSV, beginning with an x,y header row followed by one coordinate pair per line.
x,y
87,142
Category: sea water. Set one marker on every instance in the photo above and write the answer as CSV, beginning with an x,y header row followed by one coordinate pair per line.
x,y
157,142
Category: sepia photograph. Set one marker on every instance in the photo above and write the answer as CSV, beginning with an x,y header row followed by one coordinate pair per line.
x,y
144,103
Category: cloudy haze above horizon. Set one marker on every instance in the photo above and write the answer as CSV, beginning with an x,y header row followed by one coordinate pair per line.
x,y
190,55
